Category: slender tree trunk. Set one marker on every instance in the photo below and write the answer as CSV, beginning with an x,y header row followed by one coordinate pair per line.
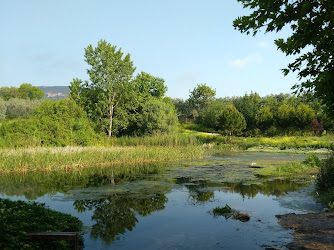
x,y
111,113
112,179
230,135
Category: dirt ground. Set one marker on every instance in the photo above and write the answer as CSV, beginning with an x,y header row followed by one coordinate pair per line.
x,y
311,231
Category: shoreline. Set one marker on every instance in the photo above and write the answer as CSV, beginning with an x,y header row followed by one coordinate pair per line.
x,y
310,231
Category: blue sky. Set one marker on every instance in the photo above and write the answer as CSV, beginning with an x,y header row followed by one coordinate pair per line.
x,y
185,42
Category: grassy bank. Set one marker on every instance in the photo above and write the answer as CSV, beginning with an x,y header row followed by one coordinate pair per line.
x,y
71,158
295,144
310,165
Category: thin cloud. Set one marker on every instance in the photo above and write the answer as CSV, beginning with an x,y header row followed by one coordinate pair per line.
x,y
190,76
241,63
264,44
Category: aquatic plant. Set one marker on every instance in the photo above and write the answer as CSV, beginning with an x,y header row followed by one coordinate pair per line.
x,y
18,218
222,210
312,160
228,212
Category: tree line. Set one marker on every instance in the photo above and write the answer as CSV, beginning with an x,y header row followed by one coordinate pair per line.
x,y
114,102
253,115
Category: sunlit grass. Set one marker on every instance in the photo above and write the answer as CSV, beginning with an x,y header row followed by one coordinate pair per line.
x,y
69,158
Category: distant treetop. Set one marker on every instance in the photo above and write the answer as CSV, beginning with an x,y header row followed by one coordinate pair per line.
x,y
25,91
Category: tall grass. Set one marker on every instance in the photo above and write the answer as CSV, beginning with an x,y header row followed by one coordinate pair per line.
x,y
69,158
166,140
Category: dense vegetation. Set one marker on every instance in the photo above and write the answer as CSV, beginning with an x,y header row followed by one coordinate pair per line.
x,y
18,218
325,181
252,115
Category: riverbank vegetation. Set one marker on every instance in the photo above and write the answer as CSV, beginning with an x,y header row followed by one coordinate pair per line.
x,y
74,158
18,218
325,181
310,166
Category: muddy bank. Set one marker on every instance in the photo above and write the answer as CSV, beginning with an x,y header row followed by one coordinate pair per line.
x,y
311,231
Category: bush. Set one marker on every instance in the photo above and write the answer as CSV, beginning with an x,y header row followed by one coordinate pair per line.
x,y
58,123
325,180
157,116
18,218
3,109
16,108
312,160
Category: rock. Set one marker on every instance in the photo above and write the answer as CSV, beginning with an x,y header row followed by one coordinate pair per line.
x,y
243,217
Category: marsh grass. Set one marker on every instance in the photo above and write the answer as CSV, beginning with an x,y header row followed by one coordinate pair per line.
x,y
286,142
71,158
166,140
294,144
309,166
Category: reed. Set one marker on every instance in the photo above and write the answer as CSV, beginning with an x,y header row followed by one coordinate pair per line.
x,y
176,139
71,158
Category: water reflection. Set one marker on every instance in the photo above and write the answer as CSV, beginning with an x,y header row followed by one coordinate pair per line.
x,y
116,214
203,191
197,192
116,198
271,187
37,184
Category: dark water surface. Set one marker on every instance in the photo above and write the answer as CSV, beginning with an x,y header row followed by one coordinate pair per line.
x,y
170,206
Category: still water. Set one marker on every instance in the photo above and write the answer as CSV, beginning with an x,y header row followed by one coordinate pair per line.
x,y
170,206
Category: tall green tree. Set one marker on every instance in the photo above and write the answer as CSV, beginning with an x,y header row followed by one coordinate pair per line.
x,y
148,84
200,97
312,41
7,93
212,114
182,107
249,105
286,116
27,91
75,90
110,72
264,118
232,120
156,116
304,115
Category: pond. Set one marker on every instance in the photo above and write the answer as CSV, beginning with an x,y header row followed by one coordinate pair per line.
x,y
169,206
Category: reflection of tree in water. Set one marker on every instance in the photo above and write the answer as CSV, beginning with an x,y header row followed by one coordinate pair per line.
x,y
117,213
196,192
276,187
36,184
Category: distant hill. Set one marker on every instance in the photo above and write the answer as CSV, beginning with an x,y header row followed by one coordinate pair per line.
x,y
55,92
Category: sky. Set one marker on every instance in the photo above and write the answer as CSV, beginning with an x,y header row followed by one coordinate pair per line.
x,y
185,42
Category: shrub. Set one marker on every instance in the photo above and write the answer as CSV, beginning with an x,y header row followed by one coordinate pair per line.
x,y
16,108
312,160
58,123
18,218
325,180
